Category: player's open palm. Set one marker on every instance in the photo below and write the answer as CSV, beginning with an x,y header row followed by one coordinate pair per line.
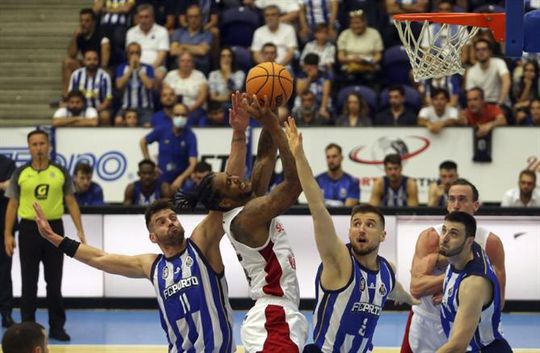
x,y
43,225
238,116
293,136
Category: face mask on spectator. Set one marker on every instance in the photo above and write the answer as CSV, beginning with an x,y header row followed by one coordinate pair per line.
x,y
179,121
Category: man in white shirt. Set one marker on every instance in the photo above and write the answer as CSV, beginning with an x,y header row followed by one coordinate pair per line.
x,y
439,114
527,195
153,38
282,35
490,74
75,113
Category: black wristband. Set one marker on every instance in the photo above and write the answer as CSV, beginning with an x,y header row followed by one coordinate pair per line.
x,y
69,246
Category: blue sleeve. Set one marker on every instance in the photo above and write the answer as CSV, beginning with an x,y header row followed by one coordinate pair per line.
x,y
192,143
149,71
207,37
120,70
354,189
153,136
176,36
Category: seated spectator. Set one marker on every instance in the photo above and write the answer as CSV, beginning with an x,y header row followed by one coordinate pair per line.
x,y
322,47
531,116
269,52
355,112
526,195
129,118
115,18
164,116
153,38
165,12
374,12
226,80
307,114
289,9
135,81
316,81
394,189
359,50
397,113
75,113
318,14
95,84
438,190
190,87
87,192
86,37
201,170
209,14
450,84
215,116
148,188
177,150
193,39
483,116
26,337
282,35
339,188
439,114
526,87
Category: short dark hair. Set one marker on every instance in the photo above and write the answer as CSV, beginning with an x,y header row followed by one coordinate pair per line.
x,y
147,161
320,27
483,40
214,106
311,59
448,165
206,194
436,91
367,208
36,132
269,44
392,158
333,145
478,89
84,168
155,207
398,88
130,110
202,167
88,11
23,338
234,66
463,218
528,172
463,181
76,93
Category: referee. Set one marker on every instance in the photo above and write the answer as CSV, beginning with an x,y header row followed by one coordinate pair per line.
x,y
50,185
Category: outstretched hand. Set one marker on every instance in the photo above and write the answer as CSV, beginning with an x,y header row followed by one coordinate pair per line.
x,y
238,116
43,225
294,138
263,113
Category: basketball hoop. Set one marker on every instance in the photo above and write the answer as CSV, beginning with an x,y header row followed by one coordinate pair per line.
x,y
436,51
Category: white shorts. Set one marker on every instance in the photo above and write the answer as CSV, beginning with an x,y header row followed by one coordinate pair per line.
x,y
425,335
274,327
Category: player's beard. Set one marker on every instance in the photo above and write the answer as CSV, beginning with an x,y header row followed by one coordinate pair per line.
x,y
174,239
365,251
453,252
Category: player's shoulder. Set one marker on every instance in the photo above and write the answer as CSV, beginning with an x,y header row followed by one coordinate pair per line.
x,y
429,238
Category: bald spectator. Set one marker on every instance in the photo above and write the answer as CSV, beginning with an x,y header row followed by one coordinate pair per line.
x,y
480,114
164,116
439,114
75,113
274,31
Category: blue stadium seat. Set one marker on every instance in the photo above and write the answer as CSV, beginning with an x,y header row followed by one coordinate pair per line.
x,y
237,26
412,98
396,66
369,95
243,58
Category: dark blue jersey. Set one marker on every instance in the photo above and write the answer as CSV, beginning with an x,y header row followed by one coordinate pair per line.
x,y
336,192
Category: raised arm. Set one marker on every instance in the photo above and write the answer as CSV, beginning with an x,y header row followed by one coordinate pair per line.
x,y
426,253
238,120
130,266
337,265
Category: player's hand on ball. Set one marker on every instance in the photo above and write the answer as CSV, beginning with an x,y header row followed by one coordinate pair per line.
x,y
293,136
263,113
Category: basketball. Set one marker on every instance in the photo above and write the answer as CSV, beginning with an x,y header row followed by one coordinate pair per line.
x,y
272,80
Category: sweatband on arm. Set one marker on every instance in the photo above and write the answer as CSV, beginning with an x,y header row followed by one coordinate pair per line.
x,y
69,246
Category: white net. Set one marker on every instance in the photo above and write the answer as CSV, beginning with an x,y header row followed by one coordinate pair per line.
x,y
435,51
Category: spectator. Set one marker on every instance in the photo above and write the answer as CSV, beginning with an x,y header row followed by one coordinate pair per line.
x,y
115,18
316,81
190,87
269,52
148,188
439,114
226,80
532,115
318,13
87,192
26,337
438,190
201,170
193,39
394,7
164,116
483,116
451,84
355,112
359,49
129,118
394,189
307,114
526,87
282,35
527,195
95,84
288,9
75,113
339,188
209,14
322,47
177,154
374,11
153,39
135,81
85,37
215,116
165,12
397,113
489,74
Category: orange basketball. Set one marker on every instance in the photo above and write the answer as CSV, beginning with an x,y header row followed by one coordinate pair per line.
x,y
272,80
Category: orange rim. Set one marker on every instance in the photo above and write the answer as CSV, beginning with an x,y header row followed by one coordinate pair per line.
x,y
494,21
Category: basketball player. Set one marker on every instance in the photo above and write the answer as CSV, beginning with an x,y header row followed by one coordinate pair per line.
x,y
189,274
424,332
274,323
472,301
353,281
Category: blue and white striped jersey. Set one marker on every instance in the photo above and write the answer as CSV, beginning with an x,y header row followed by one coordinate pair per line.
x,y
96,89
135,94
193,301
487,330
112,18
317,11
344,320
395,197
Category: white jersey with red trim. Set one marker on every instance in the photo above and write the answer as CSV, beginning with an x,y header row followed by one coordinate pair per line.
x,y
271,268
426,307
